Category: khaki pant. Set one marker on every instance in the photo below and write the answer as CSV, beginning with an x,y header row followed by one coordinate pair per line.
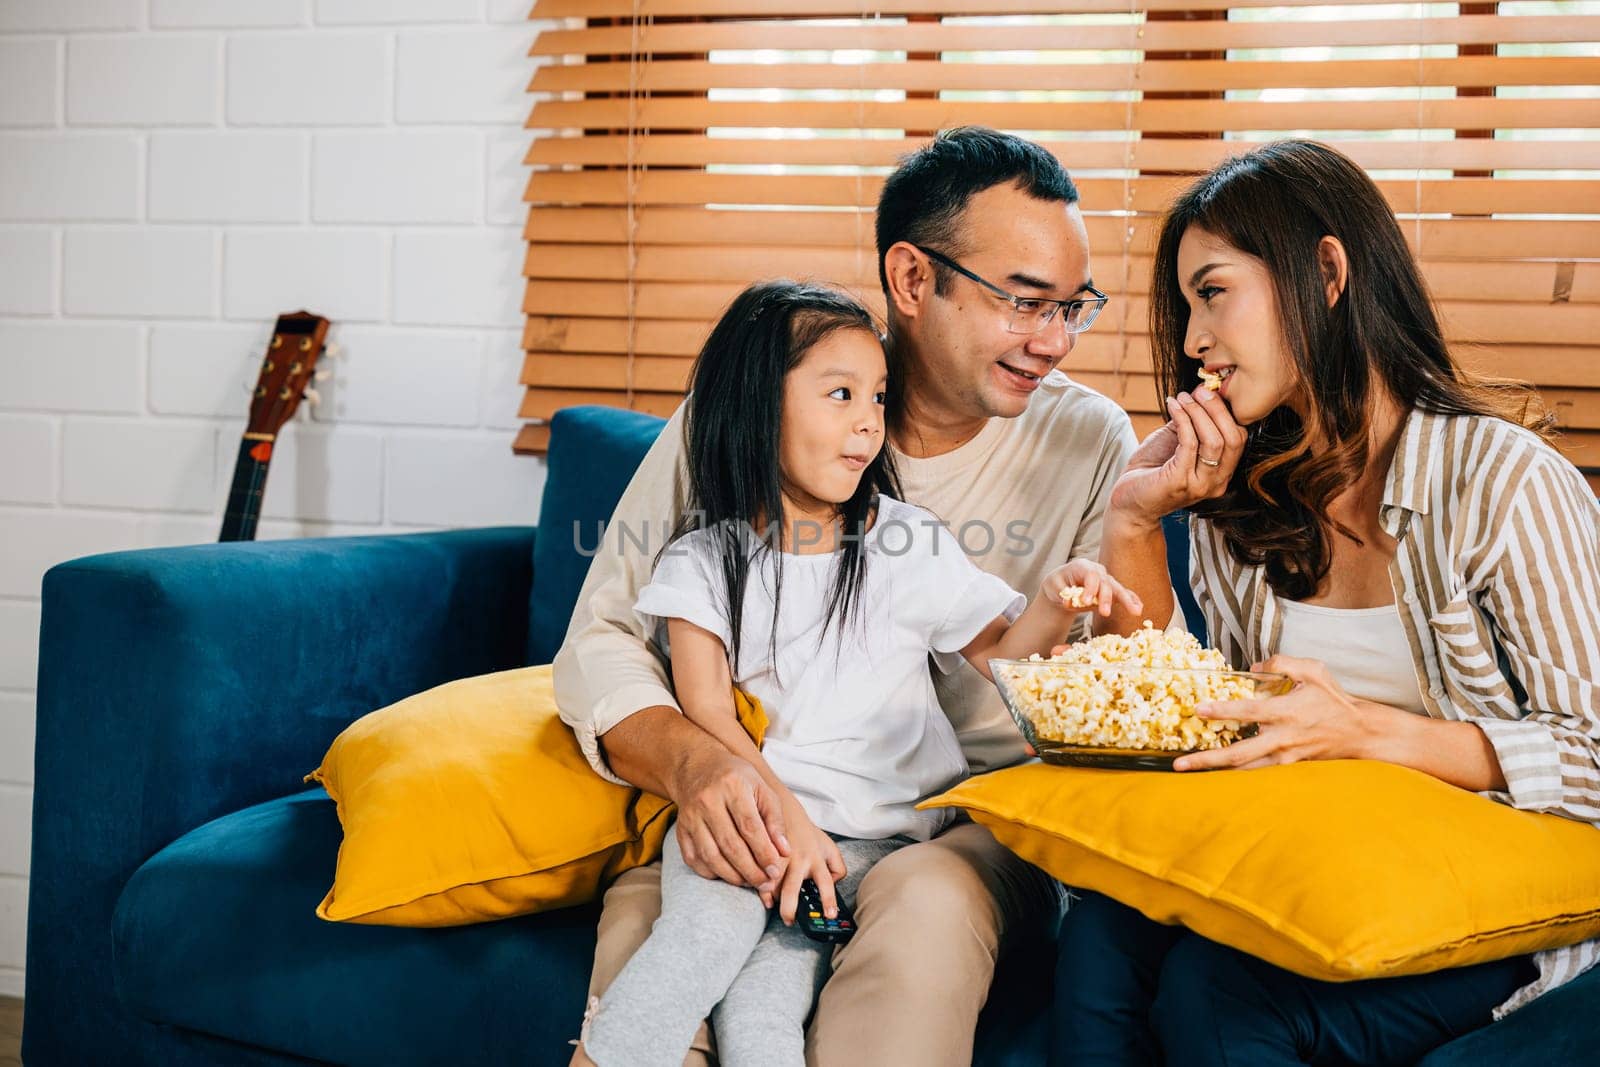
x,y
932,920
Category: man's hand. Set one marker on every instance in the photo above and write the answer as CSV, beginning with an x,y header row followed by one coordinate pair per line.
x,y
730,822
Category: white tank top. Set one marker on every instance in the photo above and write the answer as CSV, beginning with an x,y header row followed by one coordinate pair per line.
x,y
1366,650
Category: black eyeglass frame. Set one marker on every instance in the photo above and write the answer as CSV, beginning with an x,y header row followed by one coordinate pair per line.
x,y
1094,305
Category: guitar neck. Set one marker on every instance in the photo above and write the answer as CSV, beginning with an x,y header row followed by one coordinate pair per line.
x,y
249,482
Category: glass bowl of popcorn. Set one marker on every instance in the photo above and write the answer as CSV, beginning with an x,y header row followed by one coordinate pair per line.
x,y
1128,702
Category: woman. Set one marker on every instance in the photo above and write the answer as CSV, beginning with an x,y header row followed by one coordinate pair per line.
x,y
1390,531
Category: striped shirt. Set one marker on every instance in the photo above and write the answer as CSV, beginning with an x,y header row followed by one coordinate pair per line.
x,y
1497,578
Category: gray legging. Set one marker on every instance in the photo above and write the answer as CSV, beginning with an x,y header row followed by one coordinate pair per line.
x,y
716,951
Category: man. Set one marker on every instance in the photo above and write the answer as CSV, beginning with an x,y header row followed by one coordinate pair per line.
x,y
984,259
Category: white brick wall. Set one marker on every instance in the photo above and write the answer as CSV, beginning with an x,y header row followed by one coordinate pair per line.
x,y
174,174
16,738
139,272
13,932
33,482
139,464
19,644
309,79
38,538
70,15
28,270
16,813
450,75
228,177
143,80
205,369
470,278
56,365
398,11
430,479
229,14
30,88
342,274
72,177
406,176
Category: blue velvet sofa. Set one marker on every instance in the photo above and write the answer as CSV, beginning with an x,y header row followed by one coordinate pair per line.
x,y
177,856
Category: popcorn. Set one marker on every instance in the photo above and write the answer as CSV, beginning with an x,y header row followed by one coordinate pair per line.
x,y
1211,380
1073,596
1128,693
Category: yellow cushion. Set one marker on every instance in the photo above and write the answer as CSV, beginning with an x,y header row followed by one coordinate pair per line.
x,y
471,802
1334,870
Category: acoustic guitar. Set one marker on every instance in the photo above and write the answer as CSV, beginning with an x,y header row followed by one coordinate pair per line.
x,y
286,375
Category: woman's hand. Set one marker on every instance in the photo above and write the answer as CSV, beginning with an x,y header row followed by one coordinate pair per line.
x,y
1317,720
813,855
1191,458
1100,590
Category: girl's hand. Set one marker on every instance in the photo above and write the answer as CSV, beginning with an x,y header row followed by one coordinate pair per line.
x,y
1099,589
1317,720
812,855
1191,458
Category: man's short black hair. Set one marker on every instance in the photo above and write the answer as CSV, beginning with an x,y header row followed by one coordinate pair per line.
x,y
923,199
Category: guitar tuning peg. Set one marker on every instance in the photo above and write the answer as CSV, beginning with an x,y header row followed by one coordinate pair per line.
x,y
313,398
321,375
332,351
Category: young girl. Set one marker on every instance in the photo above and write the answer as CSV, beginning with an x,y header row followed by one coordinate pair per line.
x,y
1385,528
799,578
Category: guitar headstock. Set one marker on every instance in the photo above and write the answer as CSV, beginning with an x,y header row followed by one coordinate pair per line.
x,y
286,371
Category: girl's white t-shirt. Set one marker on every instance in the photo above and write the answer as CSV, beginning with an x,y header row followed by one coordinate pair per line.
x,y
855,729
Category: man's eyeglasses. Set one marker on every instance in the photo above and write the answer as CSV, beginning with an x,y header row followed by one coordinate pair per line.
x,y
1032,314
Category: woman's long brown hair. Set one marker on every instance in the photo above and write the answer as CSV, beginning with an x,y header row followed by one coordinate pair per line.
x,y
1277,203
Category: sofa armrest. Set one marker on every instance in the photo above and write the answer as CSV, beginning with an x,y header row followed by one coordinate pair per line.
x,y
177,685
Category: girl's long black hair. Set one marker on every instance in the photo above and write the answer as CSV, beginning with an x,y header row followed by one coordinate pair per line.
x,y
732,435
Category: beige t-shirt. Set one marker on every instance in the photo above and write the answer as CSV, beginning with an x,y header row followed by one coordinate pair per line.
x,y
1023,496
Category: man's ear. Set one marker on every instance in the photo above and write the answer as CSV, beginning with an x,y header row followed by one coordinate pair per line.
x,y
910,279
1335,267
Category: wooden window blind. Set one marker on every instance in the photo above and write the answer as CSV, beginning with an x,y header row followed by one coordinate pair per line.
x,y
689,147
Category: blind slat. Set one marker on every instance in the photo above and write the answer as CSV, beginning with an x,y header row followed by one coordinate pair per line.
x,y
1538,283
1581,447
532,440
564,371
1472,239
1199,36
855,8
1457,196
560,333
539,403
1201,75
667,149
1174,116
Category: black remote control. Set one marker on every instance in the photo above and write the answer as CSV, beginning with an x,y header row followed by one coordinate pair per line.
x,y
817,926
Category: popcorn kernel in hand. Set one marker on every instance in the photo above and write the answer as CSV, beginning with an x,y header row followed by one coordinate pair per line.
x,y
1073,596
